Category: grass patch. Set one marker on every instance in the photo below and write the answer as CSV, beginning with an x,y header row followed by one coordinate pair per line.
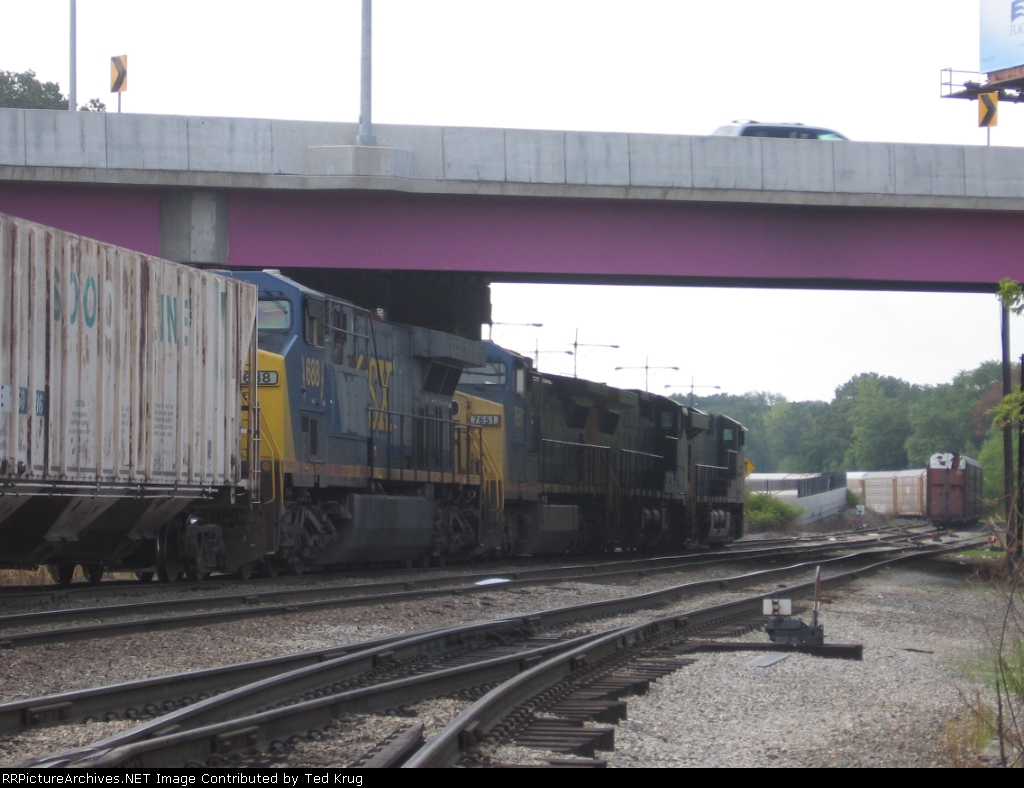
x,y
969,731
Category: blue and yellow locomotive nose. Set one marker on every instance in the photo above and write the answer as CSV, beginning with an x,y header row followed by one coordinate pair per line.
x,y
277,446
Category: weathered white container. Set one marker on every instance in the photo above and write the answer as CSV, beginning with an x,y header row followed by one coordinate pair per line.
x,y
118,371
900,493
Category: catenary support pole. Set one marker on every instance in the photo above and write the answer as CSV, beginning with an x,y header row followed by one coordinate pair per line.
x,y
366,136
73,86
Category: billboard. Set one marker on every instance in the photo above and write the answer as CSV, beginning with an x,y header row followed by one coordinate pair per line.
x,y
1002,35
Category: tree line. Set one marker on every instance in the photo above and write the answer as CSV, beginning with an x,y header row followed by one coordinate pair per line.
x,y
874,423
23,90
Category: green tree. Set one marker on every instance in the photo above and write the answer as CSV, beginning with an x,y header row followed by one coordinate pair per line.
x,y
881,424
786,424
991,459
825,444
1011,293
22,90
946,417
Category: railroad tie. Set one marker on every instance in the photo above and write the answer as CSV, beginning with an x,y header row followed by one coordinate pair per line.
x,y
590,710
566,736
556,763
616,687
396,749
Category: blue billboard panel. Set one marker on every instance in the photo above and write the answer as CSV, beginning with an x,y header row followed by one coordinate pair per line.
x,y
1002,34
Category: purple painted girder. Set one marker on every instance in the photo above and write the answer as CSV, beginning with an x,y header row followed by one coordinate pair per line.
x,y
564,238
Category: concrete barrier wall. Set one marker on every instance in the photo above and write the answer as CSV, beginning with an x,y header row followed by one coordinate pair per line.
x,y
815,507
845,172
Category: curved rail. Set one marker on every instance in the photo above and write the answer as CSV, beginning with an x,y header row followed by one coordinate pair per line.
x,y
477,722
328,679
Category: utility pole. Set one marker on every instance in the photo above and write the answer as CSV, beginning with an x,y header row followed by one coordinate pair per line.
x,y
366,136
576,345
692,387
1019,500
647,372
73,87
537,351
1007,430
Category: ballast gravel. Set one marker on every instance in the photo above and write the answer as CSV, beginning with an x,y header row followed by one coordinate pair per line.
x,y
34,671
356,737
888,710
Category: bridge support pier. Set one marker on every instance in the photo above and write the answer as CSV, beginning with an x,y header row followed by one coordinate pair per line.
x,y
194,227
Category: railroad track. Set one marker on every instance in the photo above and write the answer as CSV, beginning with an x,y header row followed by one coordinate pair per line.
x,y
547,707
150,616
268,714
12,596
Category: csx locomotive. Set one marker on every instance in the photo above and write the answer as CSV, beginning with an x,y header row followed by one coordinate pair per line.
x,y
135,436
585,466
389,443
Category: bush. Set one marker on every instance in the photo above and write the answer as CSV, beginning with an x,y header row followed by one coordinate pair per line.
x,y
768,513
852,499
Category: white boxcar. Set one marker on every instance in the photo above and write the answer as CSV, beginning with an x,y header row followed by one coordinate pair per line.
x,y
120,376
898,493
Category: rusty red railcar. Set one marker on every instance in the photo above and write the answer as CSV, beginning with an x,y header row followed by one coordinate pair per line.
x,y
954,489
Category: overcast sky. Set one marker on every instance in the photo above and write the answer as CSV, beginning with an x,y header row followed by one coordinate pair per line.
x,y
869,69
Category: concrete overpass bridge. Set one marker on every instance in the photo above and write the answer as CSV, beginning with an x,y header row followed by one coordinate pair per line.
x,y
461,207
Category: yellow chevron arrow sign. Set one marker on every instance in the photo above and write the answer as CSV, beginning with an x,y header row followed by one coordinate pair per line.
x,y
119,74
988,110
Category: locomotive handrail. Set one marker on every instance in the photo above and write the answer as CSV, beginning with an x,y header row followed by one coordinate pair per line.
x,y
433,445
276,450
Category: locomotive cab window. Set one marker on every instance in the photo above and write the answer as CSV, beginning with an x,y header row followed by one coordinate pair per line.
x,y
274,314
520,380
493,373
314,322
337,333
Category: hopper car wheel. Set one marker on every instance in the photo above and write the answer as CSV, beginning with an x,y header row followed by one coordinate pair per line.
x,y
145,577
93,573
169,563
64,574
245,571
269,567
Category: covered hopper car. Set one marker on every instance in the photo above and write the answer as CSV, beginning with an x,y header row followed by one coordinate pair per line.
x,y
121,398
